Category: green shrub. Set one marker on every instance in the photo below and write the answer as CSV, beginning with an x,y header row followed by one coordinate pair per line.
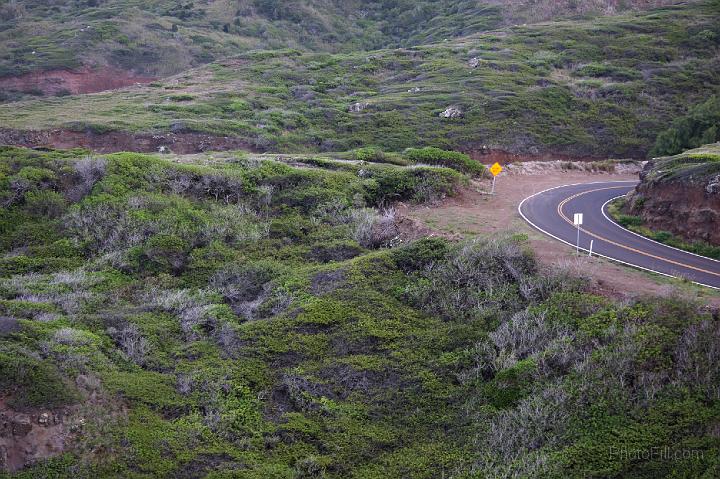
x,y
31,382
414,184
50,204
450,159
181,97
369,155
700,126
628,220
421,254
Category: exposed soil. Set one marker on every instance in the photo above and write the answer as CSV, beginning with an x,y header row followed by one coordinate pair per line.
x,y
474,212
31,435
26,437
85,80
686,206
114,141
188,143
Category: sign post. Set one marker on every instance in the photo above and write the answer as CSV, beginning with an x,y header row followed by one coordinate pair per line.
x,y
578,221
495,169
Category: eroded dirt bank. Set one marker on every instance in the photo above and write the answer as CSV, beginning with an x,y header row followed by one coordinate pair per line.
x,y
188,143
114,141
687,206
84,80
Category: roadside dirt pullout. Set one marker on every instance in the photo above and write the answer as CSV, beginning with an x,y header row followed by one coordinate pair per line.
x,y
114,141
475,212
84,80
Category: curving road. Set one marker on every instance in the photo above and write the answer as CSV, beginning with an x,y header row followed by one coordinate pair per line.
x,y
551,211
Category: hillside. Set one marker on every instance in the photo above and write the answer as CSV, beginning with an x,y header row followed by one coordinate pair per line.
x,y
255,239
80,46
681,195
247,318
583,88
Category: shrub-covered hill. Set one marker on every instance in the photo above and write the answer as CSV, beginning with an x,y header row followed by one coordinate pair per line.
x,y
699,126
160,37
604,87
250,319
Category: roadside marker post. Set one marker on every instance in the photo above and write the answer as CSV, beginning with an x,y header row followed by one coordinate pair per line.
x,y
578,221
495,169
591,247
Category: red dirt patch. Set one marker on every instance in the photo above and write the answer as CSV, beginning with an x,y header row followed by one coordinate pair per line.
x,y
114,141
28,437
85,80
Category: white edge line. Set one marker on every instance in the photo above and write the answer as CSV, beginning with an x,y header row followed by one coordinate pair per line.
x,y
645,237
586,250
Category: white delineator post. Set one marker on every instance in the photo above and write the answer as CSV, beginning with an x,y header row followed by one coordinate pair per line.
x,y
591,248
578,221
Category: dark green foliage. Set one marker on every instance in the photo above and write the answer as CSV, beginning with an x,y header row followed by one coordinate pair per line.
x,y
700,126
369,154
31,382
449,159
388,184
421,254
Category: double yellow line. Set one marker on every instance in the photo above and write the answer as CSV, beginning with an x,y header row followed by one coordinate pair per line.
x,y
570,222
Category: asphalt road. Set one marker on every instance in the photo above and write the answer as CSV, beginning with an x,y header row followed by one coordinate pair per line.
x,y
551,211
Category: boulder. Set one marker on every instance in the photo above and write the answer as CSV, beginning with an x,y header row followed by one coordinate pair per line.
x,y
357,107
452,112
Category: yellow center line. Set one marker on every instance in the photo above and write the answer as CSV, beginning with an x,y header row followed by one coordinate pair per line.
x,y
569,221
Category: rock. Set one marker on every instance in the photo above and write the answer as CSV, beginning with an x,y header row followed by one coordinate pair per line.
x,y
414,90
474,62
358,107
452,112
44,419
712,188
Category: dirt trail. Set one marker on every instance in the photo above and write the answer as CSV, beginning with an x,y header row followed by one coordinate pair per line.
x,y
475,213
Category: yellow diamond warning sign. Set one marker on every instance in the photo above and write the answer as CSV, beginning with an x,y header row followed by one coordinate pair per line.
x,y
496,169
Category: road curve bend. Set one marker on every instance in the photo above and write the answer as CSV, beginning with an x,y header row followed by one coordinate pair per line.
x,y
551,212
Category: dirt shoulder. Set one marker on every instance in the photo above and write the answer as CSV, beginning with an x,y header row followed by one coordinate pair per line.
x,y
474,212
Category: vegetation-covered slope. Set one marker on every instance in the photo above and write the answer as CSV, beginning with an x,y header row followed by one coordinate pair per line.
x,y
700,126
604,87
160,37
249,319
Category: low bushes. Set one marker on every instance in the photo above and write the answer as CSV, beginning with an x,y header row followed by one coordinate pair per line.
x,y
450,159
418,185
31,382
